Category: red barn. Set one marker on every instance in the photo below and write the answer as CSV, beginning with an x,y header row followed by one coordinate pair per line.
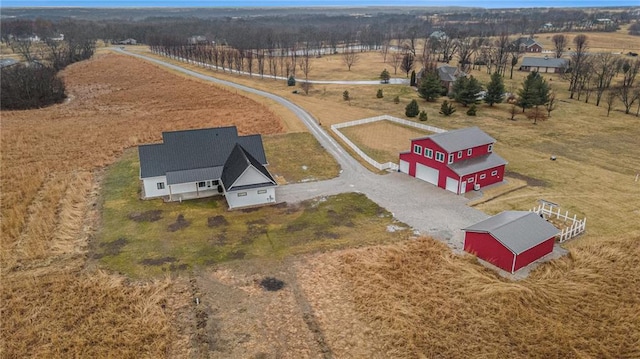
x,y
511,240
458,161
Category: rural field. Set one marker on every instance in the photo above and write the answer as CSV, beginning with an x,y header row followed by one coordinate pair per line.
x,y
88,270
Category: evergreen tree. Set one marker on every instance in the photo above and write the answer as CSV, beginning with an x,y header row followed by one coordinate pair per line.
x,y
472,110
495,90
447,109
466,90
384,76
291,81
379,94
430,87
423,116
412,82
412,109
534,92
345,95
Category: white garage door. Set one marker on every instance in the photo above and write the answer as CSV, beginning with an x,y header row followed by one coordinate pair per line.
x,y
427,174
452,185
404,166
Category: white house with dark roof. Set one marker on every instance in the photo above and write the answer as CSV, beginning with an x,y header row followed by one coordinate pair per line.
x,y
511,240
207,162
458,161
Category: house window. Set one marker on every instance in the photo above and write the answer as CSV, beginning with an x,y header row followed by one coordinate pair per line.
x,y
417,149
262,191
494,173
202,184
160,185
483,176
470,179
450,158
469,152
215,182
491,147
459,154
242,194
428,153
439,156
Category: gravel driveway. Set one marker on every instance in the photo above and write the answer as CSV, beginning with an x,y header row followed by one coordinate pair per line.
x,y
426,208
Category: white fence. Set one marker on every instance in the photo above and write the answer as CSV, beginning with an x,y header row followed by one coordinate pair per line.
x,y
576,228
380,166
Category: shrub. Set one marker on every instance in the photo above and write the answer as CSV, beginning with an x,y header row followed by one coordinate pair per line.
x,y
447,109
384,76
25,87
291,81
379,94
396,100
472,110
345,95
423,116
412,109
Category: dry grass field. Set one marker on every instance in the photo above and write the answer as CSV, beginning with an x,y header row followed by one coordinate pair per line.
x,y
405,300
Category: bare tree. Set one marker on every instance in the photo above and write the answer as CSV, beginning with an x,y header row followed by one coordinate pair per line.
x,y
384,50
407,63
23,47
305,63
625,90
500,53
551,105
396,60
610,100
559,44
577,59
604,66
466,48
350,57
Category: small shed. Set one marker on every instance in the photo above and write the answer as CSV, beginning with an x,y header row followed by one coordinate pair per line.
x,y
511,240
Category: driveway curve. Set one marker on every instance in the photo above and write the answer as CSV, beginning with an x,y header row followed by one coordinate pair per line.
x,y
427,209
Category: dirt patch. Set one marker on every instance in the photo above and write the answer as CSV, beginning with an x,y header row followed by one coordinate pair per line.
x,y
220,239
148,216
271,284
238,254
530,180
157,261
111,248
180,223
216,221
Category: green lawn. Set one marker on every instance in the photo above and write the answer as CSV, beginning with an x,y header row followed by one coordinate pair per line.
x,y
144,238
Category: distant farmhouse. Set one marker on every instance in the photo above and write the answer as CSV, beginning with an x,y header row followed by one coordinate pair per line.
x,y
527,44
129,41
446,74
544,64
207,162
458,161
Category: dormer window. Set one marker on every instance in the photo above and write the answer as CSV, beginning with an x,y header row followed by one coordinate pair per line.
x,y
450,158
469,152
459,154
490,148
417,149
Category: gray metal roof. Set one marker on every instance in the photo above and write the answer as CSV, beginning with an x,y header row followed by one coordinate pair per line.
x,y
239,160
461,139
196,175
194,149
7,62
516,230
476,164
449,73
543,62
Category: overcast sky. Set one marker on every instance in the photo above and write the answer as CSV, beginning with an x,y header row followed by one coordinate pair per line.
x,y
306,3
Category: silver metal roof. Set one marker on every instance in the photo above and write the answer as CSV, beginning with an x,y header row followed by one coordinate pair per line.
x,y
195,175
516,230
476,164
462,139
543,62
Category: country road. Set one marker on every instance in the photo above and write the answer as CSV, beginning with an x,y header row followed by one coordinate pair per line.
x,y
427,209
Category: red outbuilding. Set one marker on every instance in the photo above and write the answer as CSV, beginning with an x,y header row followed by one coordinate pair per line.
x,y
511,240
458,161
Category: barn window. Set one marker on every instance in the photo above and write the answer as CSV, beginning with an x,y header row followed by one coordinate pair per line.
x,y
459,154
242,194
494,173
483,176
417,149
450,158
262,191
202,184
491,147
428,153
439,156
470,179
160,185
469,152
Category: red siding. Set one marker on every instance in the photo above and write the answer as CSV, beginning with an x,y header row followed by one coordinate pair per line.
x,y
535,253
488,180
488,248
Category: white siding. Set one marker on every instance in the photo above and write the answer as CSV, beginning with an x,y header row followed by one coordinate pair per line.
x,y
252,197
183,188
151,187
250,176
